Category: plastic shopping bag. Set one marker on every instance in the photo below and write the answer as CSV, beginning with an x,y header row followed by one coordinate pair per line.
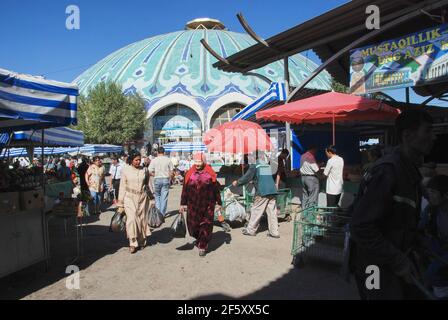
x,y
179,228
235,211
118,222
156,218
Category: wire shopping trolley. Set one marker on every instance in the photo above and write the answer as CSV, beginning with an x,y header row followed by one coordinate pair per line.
x,y
321,233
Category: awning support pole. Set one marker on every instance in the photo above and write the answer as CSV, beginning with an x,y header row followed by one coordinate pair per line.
x,y
334,130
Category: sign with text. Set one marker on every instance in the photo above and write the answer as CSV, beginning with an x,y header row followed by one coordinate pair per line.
x,y
411,60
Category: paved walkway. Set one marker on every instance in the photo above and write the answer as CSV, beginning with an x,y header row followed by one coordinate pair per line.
x,y
236,267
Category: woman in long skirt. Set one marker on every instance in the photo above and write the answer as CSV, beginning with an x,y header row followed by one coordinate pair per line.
x,y
135,201
200,195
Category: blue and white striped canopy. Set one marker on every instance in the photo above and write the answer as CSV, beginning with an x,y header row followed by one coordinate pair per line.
x,y
184,147
13,152
4,137
22,152
94,149
28,102
276,92
60,137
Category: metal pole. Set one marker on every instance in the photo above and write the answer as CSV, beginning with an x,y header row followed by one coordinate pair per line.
x,y
44,222
287,124
407,95
334,130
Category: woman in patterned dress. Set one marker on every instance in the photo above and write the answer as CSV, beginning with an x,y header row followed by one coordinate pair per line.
x,y
200,195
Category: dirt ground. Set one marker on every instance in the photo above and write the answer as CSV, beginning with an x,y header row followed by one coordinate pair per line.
x,y
237,267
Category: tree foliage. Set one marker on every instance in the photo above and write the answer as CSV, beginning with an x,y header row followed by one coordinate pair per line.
x,y
106,115
338,87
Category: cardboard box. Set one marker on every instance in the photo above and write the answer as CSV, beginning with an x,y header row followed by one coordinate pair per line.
x,y
33,199
9,202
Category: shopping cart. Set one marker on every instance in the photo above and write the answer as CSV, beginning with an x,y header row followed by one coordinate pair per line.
x,y
321,233
284,203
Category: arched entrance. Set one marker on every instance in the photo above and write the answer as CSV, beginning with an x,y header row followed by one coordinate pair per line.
x,y
225,114
176,123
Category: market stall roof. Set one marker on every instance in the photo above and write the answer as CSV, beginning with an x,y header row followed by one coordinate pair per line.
x,y
274,96
22,152
28,102
332,31
57,137
94,149
276,92
183,146
329,107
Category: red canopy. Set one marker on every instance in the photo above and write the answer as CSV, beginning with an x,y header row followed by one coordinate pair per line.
x,y
237,137
329,107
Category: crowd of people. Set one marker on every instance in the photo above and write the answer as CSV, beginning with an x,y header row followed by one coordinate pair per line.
x,y
399,218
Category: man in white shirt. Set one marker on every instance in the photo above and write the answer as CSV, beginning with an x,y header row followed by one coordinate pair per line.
x,y
335,179
161,168
183,166
310,182
175,160
115,175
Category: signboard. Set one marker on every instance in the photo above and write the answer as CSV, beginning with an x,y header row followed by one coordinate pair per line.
x,y
411,60
176,126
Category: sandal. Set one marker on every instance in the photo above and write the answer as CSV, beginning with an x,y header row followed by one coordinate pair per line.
x,y
202,253
132,249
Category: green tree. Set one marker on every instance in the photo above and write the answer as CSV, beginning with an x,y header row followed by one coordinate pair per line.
x,y
106,115
338,87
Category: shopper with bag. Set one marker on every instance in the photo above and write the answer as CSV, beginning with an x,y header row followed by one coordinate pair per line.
x,y
265,197
200,195
135,200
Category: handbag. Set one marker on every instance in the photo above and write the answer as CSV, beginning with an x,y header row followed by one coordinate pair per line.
x,y
118,222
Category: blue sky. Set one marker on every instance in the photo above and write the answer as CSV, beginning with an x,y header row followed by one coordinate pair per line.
x,y
34,38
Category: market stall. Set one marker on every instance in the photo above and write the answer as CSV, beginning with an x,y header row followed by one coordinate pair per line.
x,y
96,149
57,141
332,108
28,103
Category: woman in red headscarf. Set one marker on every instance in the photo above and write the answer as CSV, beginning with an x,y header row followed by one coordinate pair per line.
x,y
200,195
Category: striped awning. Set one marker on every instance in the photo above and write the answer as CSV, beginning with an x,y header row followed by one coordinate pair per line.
x,y
58,137
22,152
184,147
276,92
4,138
28,102
94,149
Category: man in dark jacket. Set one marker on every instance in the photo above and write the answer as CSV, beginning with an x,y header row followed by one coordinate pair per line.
x,y
386,213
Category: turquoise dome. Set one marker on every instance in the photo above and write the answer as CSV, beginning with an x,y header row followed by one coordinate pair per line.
x,y
177,63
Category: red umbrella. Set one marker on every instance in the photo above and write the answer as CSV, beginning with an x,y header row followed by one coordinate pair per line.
x,y
330,108
237,137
